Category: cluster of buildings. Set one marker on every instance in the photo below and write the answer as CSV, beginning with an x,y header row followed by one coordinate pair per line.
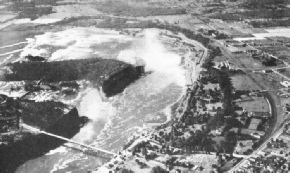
x,y
237,47
273,157
268,164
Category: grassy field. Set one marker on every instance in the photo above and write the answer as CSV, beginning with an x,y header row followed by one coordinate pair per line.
x,y
286,73
259,104
140,8
243,82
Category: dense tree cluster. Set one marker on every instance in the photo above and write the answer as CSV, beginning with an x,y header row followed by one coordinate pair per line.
x,y
158,169
226,87
257,4
124,170
270,23
213,52
65,70
112,75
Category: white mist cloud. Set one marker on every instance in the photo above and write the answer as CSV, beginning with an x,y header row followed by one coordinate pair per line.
x,y
97,111
156,57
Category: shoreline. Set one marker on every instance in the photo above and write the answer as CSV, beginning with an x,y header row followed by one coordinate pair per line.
x,y
193,70
190,83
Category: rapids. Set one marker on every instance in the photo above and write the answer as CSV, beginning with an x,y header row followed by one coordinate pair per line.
x,y
113,120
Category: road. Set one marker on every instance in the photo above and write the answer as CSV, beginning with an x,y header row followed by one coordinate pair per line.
x,y
255,153
275,104
277,108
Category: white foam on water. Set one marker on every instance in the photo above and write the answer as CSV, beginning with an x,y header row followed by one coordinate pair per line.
x,y
7,59
5,88
13,45
37,21
155,56
74,43
12,52
78,43
57,150
138,100
97,111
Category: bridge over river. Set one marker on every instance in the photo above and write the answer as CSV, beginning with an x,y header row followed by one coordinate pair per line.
x,y
92,150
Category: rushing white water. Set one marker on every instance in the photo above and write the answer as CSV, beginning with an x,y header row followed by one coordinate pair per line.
x,y
97,111
16,44
115,120
75,43
151,50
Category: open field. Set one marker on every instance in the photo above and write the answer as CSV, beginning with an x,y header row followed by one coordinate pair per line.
x,y
286,73
243,82
237,31
269,33
259,104
251,63
6,17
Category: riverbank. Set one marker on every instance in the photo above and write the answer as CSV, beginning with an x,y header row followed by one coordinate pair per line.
x,y
193,66
24,145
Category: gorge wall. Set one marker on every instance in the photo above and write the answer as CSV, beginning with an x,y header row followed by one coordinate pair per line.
x,y
30,146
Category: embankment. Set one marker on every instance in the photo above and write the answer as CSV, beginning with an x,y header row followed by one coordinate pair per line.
x,y
30,146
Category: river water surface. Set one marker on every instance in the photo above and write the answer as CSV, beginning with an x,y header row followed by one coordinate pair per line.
x,y
143,104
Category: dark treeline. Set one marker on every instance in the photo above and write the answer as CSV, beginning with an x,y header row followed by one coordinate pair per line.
x,y
120,23
252,14
213,52
112,75
226,87
41,114
91,69
266,13
254,4
188,33
33,146
270,23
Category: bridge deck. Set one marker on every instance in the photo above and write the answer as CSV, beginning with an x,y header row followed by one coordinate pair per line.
x,y
99,151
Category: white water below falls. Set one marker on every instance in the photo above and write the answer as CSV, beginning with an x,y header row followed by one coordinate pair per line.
x,y
114,121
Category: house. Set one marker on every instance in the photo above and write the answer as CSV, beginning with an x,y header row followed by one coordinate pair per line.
x,y
243,147
267,71
255,122
252,132
287,107
220,130
256,135
259,115
285,83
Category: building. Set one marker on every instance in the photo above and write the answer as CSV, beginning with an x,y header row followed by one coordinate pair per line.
x,y
253,133
259,114
255,122
243,148
285,83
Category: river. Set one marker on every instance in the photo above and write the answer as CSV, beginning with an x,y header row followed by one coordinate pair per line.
x,y
142,105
